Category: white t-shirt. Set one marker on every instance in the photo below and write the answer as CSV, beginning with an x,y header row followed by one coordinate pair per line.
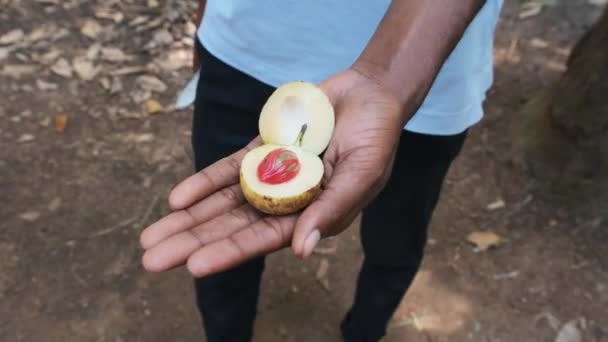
x,y
280,41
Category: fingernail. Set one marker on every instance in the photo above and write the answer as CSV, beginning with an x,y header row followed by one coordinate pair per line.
x,y
310,243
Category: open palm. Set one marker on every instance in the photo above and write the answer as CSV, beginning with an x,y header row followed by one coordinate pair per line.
x,y
212,228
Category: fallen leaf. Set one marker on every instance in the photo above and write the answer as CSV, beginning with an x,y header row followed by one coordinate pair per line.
x,y
140,95
18,70
91,28
137,138
530,9
498,204
44,86
569,332
54,204
151,83
115,16
24,138
62,68
113,54
322,274
62,32
151,24
175,60
127,71
30,216
190,29
598,2
84,68
61,120
138,20
93,51
11,37
4,52
38,34
508,275
484,240
539,43
105,83
116,85
162,37
153,106
549,317
45,122
153,3
50,57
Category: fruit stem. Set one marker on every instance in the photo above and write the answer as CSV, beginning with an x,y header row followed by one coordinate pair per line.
x,y
301,135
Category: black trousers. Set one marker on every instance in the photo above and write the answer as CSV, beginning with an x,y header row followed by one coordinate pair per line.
x,y
393,228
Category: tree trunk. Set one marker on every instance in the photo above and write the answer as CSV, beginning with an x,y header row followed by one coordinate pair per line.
x,y
564,131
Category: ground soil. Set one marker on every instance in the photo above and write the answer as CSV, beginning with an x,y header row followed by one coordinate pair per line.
x,y
73,204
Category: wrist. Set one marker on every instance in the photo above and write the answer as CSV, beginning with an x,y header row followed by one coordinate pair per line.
x,y
409,93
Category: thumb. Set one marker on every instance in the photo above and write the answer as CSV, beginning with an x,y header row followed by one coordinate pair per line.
x,y
334,209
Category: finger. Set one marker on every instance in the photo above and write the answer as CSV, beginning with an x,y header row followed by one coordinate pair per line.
x,y
220,174
174,251
215,205
267,235
338,203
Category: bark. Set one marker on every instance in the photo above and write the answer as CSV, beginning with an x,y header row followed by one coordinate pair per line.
x,y
565,129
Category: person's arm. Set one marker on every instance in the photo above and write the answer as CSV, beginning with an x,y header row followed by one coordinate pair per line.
x,y
411,44
212,229
197,21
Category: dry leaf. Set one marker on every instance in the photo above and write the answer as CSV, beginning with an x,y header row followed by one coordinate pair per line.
x,y
30,216
84,68
127,71
162,37
18,70
91,28
175,60
116,85
93,51
50,57
4,52
137,138
113,54
38,34
322,274
44,86
549,317
24,138
117,17
140,95
539,43
484,240
153,3
61,120
598,2
54,204
138,20
153,106
105,83
569,333
498,204
11,37
530,9
62,68
151,83
45,122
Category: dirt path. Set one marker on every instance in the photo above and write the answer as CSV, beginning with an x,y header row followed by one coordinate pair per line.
x,y
76,197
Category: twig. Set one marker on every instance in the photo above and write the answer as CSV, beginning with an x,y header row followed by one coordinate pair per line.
x,y
115,227
146,216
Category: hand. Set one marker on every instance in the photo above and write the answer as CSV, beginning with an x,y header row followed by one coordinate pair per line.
x,y
214,229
